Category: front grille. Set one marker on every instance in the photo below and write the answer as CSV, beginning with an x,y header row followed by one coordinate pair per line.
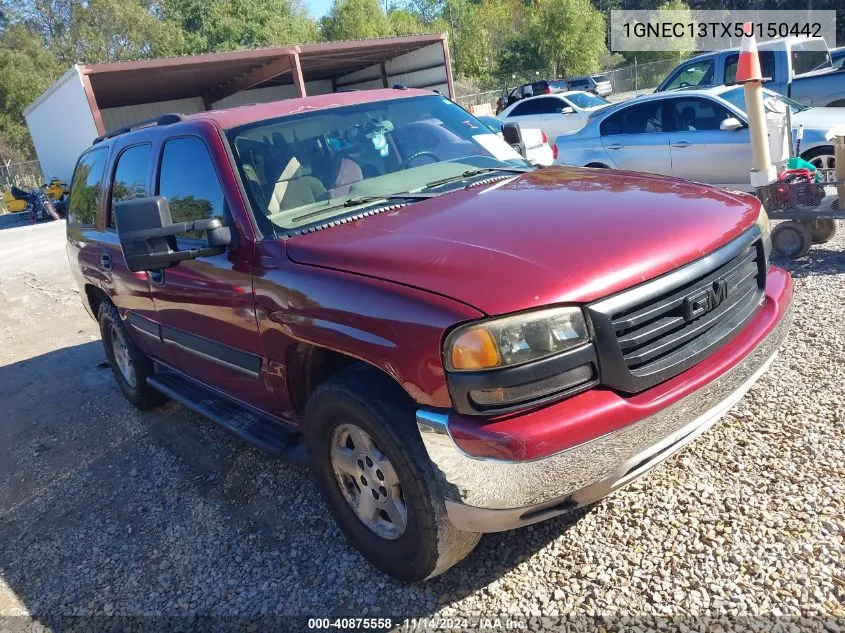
x,y
657,330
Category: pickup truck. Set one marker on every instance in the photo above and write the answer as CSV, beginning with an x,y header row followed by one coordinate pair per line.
x,y
455,341
798,68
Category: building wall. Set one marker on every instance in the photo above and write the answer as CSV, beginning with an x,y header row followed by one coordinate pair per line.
x,y
423,68
114,118
273,93
57,143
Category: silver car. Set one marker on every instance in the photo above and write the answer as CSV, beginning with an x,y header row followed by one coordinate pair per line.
x,y
694,134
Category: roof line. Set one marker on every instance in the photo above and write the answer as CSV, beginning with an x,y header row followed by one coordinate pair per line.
x,y
73,71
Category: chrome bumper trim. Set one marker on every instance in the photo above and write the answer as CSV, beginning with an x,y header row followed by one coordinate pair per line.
x,y
488,495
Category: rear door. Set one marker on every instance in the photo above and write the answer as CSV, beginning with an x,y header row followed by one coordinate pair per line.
x,y
130,178
205,305
634,138
536,113
700,150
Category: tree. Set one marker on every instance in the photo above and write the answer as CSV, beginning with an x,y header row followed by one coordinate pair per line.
x,y
223,25
570,35
405,22
26,70
356,19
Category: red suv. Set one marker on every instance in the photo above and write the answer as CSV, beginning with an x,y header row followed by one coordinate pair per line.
x,y
460,342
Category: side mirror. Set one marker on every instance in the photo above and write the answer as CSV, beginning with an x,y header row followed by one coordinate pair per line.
x,y
730,124
513,137
568,110
147,234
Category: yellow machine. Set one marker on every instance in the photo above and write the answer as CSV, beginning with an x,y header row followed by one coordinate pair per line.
x,y
13,204
56,189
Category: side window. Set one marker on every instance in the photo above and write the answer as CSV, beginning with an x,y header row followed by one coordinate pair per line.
x,y
642,118
767,65
131,176
535,106
87,187
188,180
694,74
696,114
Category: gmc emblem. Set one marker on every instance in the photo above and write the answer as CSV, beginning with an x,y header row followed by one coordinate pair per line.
x,y
705,300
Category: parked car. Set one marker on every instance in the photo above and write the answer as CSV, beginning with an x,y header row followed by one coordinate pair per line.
x,y
538,151
542,87
799,68
700,135
597,84
837,57
555,114
461,343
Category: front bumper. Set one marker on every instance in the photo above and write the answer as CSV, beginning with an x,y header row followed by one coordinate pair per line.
x,y
491,495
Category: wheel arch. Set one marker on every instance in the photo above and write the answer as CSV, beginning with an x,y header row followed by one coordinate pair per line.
x,y
95,297
308,365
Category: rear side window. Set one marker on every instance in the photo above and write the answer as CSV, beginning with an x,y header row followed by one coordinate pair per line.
x,y
642,118
131,176
579,84
189,181
767,65
86,187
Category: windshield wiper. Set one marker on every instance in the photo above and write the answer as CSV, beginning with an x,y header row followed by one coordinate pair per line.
x,y
475,172
355,202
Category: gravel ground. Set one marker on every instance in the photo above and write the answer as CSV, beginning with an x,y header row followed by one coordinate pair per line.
x,y
105,510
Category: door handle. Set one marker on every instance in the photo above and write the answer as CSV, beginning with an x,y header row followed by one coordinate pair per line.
x,y
105,262
615,146
156,276
681,144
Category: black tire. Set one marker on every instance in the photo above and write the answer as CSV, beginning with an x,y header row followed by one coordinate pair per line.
x,y
366,398
791,239
140,393
822,230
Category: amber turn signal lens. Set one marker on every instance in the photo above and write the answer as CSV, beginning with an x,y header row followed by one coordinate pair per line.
x,y
475,349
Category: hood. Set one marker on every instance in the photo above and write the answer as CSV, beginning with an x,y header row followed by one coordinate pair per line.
x,y
550,236
820,118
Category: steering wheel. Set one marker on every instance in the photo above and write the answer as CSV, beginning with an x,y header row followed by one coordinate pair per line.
x,y
416,155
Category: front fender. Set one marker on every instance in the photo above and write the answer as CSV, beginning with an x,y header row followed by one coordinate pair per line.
x,y
393,327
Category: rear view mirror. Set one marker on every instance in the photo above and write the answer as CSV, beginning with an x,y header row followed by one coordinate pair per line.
x,y
147,234
730,124
568,110
513,137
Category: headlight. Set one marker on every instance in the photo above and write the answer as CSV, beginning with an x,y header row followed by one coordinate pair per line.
x,y
511,362
765,231
514,340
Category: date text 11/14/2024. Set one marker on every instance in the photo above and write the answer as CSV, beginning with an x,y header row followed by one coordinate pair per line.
x,y
419,624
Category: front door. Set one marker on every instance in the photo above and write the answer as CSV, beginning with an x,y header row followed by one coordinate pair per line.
x,y
701,150
634,138
205,305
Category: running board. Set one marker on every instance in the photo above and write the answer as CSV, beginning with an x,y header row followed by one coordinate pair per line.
x,y
260,430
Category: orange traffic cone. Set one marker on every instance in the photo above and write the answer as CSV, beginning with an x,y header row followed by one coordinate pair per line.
x,y
748,67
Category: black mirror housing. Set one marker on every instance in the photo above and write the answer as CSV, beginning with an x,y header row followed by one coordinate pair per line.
x,y
147,234
513,137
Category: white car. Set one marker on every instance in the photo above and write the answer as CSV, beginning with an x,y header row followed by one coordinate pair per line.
x,y
538,151
555,114
693,134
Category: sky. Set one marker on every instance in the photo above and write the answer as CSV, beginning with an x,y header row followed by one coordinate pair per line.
x,y
318,8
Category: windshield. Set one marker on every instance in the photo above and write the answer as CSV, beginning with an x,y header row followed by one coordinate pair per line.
x,y
809,55
736,96
600,78
586,100
307,169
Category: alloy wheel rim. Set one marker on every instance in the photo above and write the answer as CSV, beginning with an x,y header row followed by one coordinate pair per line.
x,y
122,359
368,482
824,161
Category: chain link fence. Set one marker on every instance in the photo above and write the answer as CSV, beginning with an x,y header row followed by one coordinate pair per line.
x,y
626,82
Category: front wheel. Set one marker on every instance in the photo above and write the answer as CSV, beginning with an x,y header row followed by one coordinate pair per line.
x,y
373,472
